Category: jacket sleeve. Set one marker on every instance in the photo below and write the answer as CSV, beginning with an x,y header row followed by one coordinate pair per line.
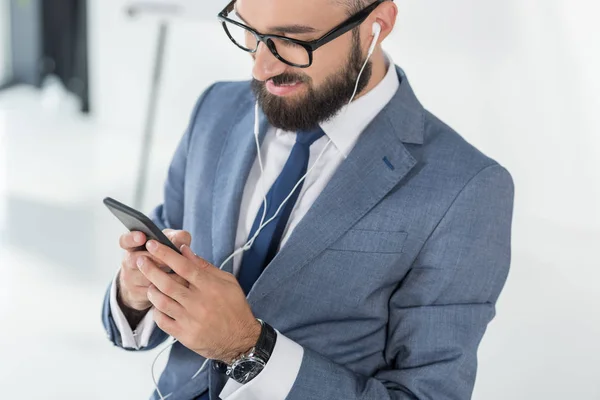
x,y
440,311
167,215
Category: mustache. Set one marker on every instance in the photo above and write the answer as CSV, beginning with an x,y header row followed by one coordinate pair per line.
x,y
287,78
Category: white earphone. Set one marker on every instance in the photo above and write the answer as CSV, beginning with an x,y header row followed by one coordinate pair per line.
x,y
263,223
376,33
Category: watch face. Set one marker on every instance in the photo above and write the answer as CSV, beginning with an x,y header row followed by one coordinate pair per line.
x,y
244,370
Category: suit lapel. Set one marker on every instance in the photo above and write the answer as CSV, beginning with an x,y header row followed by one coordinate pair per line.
x,y
238,155
362,180
376,165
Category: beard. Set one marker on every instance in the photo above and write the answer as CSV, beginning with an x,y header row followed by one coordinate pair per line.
x,y
319,104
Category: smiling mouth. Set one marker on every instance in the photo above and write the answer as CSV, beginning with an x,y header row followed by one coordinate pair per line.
x,y
286,84
282,89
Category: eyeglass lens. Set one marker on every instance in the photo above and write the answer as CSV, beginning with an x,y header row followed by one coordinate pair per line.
x,y
288,50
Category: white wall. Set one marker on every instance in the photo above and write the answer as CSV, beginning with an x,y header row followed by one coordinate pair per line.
x,y
519,80
122,59
4,39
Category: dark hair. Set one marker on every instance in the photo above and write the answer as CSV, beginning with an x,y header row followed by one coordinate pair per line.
x,y
352,6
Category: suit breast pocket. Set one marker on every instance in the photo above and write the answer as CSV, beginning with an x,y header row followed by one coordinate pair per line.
x,y
367,241
362,266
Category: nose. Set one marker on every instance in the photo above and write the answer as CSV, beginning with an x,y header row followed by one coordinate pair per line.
x,y
266,65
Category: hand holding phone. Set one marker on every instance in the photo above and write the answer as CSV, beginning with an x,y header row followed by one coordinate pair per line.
x,y
137,221
132,284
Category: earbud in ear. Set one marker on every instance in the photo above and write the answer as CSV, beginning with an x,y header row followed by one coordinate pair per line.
x,y
376,28
376,33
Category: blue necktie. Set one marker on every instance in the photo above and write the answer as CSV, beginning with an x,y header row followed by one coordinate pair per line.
x,y
267,242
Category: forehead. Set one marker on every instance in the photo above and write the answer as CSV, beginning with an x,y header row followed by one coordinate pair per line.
x,y
263,14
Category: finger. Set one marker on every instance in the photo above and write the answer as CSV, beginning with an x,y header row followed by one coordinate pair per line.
x,y
138,299
134,278
179,238
178,263
166,323
131,257
164,303
188,253
132,240
133,296
168,232
179,279
162,280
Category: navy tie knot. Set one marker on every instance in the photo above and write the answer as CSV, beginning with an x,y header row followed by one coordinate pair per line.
x,y
309,137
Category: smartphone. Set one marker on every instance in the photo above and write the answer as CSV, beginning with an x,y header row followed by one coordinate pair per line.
x,y
136,221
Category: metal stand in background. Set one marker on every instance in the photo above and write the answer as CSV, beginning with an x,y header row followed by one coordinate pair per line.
x,y
165,10
150,117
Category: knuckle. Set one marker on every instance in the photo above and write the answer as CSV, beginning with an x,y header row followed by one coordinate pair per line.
x,y
180,280
160,320
176,291
164,322
195,275
169,289
212,290
181,294
124,276
129,260
161,303
230,278
202,313
185,237
142,279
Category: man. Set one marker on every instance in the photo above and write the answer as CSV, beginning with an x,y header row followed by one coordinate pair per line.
x,y
389,235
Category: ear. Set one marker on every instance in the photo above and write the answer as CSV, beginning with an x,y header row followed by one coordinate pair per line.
x,y
385,15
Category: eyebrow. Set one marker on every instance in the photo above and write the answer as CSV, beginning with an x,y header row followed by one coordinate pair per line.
x,y
287,29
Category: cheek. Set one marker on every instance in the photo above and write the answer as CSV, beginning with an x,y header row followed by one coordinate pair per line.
x,y
330,59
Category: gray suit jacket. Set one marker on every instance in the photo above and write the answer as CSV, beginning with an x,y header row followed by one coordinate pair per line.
x,y
391,278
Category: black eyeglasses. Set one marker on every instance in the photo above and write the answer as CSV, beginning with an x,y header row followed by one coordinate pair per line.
x,y
294,52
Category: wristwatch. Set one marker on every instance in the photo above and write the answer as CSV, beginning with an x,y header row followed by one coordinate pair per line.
x,y
247,366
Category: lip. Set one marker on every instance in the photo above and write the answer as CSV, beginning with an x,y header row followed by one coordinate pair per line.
x,y
282,90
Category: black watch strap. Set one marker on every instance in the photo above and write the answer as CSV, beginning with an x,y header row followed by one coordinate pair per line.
x,y
266,342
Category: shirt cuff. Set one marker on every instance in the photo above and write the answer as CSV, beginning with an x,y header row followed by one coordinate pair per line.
x,y
277,378
130,339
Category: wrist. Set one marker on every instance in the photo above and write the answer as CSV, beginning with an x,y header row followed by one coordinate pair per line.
x,y
247,342
248,365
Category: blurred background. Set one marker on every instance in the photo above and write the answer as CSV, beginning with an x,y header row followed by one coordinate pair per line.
x,y
518,79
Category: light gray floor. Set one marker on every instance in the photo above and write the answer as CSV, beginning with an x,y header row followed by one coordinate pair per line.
x,y
58,252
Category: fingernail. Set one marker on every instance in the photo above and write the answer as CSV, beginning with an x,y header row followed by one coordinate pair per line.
x,y
138,238
151,245
140,262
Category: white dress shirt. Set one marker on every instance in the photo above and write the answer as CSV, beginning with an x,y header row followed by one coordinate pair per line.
x,y
276,380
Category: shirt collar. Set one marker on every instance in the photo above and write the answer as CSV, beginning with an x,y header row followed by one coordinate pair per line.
x,y
345,128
